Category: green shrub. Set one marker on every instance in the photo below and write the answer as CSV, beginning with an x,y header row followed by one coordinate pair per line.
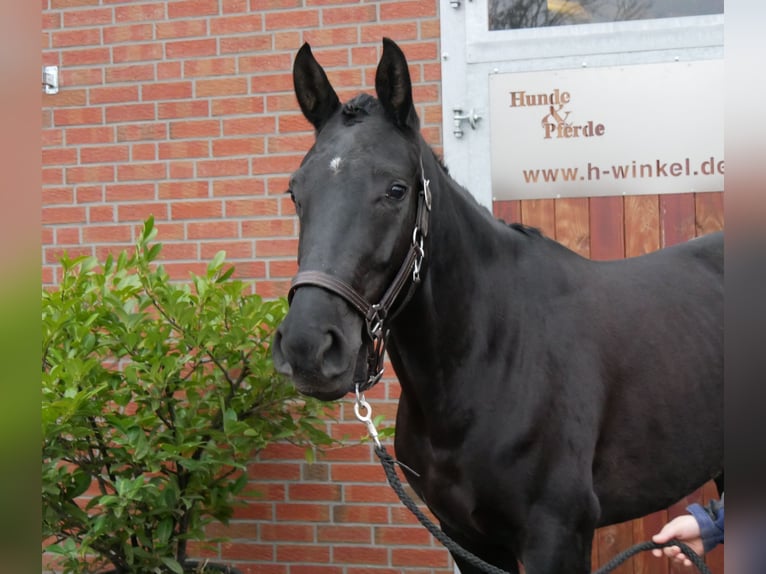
x,y
155,396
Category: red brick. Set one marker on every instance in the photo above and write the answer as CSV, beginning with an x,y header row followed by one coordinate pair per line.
x,y
183,189
349,15
57,195
238,146
183,250
130,192
180,29
167,91
80,37
196,210
274,471
169,231
184,149
78,116
292,19
302,512
294,123
269,228
85,57
137,52
346,534
238,106
359,555
314,569
59,156
253,125
51,137
243,24
185,110
239,44
402,535
190,48
90,135
314,491
286,532
250,270
89,194
281,144
64,214
254,511
302,553
130,73
195,129
200,68
420,557
233,249
141,132
96,173
372,33
369,493
106,234
143,152
52,176
274,4
192,8
287,40
251,207
135,12
276,247
182,169
104,154
141,211
270,289
261,63
141,171
129,33
276,164
212,229
220,87
228,187
69,235
229,6
281,103
223,167
129,113
171,70
362,514
332,36
76,18
101,214
282,268
272,83
411,10
184,270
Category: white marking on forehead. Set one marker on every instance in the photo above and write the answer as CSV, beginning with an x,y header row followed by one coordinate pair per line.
x,y
335,164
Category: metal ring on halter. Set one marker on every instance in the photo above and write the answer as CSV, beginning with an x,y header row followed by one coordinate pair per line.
x,y
361,403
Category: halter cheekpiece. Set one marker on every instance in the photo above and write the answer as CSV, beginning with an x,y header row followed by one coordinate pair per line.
x,y
377,314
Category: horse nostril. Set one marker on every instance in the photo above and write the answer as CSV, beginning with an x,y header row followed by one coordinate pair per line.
x,y
281,363
332,354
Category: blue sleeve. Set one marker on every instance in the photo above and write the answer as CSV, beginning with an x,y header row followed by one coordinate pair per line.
x,y
710,520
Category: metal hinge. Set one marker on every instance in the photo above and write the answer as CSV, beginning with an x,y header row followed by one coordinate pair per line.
x,y
455,4
458,117
51,79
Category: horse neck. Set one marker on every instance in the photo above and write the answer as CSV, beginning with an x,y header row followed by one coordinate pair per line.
x,y
431,329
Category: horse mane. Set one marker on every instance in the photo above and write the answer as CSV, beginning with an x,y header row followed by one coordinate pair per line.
x,y
525,229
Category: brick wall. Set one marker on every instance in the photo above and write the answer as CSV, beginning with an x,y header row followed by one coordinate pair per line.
x,y
184,109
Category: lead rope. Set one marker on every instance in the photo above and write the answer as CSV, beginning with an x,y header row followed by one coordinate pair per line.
x,y
363,413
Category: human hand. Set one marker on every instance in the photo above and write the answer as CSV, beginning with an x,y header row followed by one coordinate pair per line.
x,y
685,529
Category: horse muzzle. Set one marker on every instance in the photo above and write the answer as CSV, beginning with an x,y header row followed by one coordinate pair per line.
x,y
319,345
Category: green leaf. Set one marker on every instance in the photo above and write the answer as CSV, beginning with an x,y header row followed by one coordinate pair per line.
x,y
173,564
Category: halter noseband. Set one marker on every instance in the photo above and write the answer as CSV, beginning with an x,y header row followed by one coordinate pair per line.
x,y
376,315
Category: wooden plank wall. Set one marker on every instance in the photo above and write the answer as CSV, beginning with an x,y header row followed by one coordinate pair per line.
x,y
613,228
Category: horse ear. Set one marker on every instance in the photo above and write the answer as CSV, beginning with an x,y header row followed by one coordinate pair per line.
x,y
316,96
394,88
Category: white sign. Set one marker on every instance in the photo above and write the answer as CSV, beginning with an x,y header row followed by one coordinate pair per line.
x,y
628,130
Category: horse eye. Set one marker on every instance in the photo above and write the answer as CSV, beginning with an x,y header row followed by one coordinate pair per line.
x,y
397,191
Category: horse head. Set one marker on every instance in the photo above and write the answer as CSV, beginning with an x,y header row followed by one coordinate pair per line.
x,y
358,196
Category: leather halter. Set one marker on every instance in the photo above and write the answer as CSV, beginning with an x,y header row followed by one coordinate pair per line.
x,y
376,314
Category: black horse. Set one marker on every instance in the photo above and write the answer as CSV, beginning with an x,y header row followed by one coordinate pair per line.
x,y
542,394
